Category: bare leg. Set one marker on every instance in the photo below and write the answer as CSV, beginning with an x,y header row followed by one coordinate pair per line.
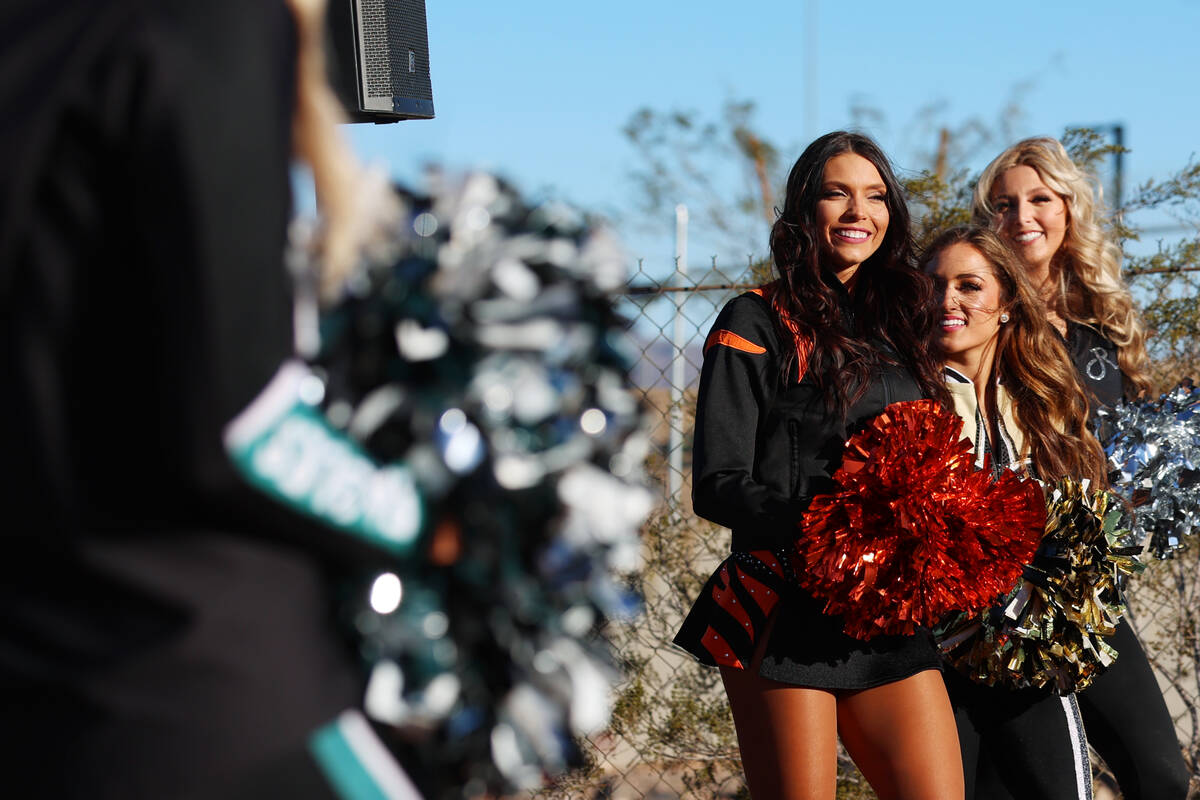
x,y
902,736
787,736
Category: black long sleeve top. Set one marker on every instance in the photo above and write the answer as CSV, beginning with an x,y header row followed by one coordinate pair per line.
x,y
766,445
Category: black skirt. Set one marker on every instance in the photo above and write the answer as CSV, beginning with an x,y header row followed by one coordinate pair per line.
x,y
749,594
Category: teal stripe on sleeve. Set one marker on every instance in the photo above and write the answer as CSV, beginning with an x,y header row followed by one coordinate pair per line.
x,y
341,767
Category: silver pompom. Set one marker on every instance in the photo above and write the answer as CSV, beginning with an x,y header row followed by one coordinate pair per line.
x,y
1153,450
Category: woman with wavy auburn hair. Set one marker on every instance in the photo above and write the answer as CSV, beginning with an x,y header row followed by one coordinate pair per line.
x,y
1017,355
1043,205
1022,406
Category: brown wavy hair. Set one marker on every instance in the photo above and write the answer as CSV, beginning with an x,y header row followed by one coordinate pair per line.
x,y
892,302
1087,267
1032,363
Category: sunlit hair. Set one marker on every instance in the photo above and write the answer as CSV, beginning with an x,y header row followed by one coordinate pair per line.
x,y
1087,267
892,302
1032,363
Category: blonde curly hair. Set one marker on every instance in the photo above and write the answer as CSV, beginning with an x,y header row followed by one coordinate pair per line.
x,y
1087,266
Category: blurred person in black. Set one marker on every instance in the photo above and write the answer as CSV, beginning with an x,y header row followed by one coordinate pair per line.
x,y
163,629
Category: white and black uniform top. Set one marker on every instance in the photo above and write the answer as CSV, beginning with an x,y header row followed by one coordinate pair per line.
x,y
1009,451
1037,739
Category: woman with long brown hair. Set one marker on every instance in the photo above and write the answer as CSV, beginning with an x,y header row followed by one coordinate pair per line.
x,y
1023,408
1045,207
790,371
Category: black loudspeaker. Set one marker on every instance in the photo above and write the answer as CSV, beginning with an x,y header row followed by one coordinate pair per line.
x,y
379,59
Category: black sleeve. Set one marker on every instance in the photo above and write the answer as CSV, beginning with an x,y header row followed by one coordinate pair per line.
x,y
155,635
144,296
737,387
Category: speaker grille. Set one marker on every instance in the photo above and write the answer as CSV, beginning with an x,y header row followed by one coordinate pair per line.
x,y
409,48
376,55
381,48
395,49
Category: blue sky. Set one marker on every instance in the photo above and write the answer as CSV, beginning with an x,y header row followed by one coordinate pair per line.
x,y
539,90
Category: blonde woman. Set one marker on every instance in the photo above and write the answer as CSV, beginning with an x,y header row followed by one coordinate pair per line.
x,y
1044,206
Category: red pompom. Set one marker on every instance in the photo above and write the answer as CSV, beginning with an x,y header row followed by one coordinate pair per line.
x,y
916,532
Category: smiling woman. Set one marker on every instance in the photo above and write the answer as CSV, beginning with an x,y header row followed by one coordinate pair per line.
x,y
1031,216
852,213
994,333
790,371
1022,407
1041,203
971,308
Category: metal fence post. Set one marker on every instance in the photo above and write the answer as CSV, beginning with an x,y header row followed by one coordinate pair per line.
x,y
678,360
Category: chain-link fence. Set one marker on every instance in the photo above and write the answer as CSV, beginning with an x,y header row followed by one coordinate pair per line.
x,y
672,736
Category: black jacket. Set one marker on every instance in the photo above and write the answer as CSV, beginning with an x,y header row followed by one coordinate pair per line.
x,y
764,447
163,625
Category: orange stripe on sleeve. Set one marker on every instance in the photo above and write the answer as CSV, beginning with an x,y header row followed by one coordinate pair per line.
x,y
804,345
731,339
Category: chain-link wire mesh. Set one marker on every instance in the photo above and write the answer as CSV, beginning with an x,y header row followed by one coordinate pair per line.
x,y
672,736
